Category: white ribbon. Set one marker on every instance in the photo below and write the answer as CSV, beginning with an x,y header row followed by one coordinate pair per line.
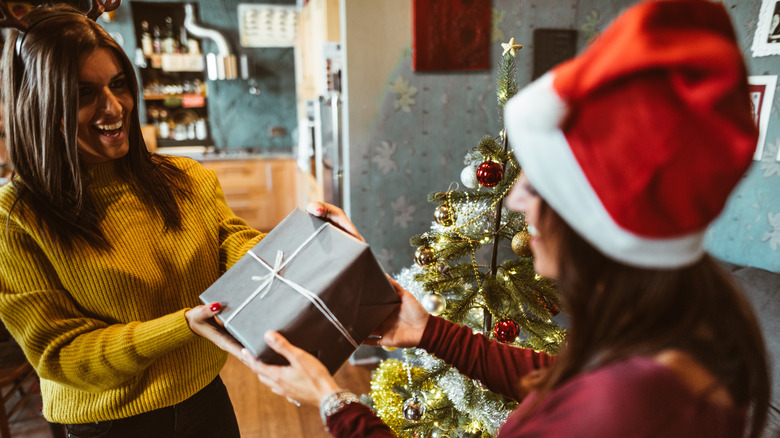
x,y
268,279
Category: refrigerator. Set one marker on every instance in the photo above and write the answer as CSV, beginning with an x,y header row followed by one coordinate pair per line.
x,y
328,127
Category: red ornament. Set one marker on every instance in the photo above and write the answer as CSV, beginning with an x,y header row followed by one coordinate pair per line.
x,y
490,173
506,330
548,305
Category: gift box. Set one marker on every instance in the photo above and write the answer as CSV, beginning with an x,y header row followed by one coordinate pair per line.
x,y
317,285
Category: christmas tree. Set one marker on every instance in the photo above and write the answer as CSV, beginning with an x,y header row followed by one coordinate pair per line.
x,y
457,275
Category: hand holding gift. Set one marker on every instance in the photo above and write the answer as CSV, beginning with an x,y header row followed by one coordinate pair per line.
x,y
305,379
202,321
335,215
308,279
405,326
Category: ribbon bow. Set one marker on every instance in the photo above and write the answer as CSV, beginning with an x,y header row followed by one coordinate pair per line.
x,y
274,273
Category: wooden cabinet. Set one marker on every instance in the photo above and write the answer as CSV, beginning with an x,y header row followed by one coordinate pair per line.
x,y
261,191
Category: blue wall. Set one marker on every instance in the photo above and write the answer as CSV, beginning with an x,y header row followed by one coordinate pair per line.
x,y
748,231
238,119
408,151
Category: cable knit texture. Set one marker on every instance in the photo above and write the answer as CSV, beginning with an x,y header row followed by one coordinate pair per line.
x,y
105,330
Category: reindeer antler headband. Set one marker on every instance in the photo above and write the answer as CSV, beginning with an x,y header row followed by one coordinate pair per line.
x,y
10,20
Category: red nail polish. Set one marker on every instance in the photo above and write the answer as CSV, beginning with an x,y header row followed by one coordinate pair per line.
x,y
215,306
320,209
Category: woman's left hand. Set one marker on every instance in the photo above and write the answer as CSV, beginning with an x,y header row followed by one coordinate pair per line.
x,y
304,380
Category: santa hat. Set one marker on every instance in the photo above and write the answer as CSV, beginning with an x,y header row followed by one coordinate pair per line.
x,y
637,142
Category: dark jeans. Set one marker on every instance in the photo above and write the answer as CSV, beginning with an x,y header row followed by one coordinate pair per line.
x,y
208,413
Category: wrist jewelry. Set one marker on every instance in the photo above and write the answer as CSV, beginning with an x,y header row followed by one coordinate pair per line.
x,y
334,402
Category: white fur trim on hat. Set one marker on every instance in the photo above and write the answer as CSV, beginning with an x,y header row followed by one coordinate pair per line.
x,y
533,118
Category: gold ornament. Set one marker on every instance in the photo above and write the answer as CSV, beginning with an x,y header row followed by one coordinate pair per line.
x,y
511,47
424,256
520,244
444,216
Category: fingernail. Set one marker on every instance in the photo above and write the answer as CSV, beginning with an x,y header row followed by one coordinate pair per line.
x,y
215,306
270,338
319,209
245,352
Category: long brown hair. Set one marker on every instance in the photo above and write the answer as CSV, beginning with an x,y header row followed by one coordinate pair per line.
x,y
617,311
41,100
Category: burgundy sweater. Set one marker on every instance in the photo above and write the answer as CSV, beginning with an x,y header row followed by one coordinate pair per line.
x,y
636,397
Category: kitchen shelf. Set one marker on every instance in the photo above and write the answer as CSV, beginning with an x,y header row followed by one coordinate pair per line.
x,y
173,75
178,100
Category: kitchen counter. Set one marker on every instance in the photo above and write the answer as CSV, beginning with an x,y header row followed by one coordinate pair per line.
x,y
206,154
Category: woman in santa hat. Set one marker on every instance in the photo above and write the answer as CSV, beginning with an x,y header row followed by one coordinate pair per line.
x,y
629,151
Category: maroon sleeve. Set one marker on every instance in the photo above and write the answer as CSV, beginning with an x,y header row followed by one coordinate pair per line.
x,y
357,421
498,366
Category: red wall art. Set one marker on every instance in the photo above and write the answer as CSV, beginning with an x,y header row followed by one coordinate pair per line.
x,y
451,35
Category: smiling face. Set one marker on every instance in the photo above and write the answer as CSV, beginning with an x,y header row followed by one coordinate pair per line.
x,y
105,105
544,245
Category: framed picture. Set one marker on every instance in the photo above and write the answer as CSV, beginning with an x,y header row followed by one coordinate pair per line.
x,y
766,41
267,25
451,35
762,94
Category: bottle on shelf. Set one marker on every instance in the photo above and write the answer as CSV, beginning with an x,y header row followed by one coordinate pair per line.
x,y
154,116
170,44
146,39
199,87
179,132
163,128
201,130
156,42
193,47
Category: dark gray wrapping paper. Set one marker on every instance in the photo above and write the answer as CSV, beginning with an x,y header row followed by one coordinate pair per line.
x,y
340,272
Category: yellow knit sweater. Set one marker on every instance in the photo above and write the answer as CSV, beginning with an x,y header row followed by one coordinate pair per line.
x,y
106,331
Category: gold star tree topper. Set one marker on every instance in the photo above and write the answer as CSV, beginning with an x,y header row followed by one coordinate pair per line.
x,y
511,47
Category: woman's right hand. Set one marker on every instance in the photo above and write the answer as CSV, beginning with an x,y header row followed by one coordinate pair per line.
x,y
203,322
404,327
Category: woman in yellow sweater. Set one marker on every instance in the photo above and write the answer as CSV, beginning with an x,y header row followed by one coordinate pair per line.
x,y
105,247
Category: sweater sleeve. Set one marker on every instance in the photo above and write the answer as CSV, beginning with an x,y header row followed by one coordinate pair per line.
x,y
357,421
63,343
236,237
498,366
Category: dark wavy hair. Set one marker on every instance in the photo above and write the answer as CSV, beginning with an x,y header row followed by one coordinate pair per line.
x,y
40,100
618,311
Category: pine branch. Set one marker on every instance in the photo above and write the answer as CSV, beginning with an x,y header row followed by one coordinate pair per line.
x,y
507,84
